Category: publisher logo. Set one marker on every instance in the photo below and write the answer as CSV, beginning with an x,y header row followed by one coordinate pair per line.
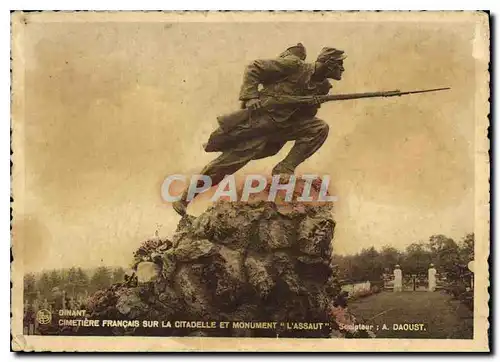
x,y
44,316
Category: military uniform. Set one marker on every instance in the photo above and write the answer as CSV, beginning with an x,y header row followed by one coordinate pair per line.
x,y
267,131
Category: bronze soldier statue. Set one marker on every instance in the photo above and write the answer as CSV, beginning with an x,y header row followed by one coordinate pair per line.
x,y
265,131
297,50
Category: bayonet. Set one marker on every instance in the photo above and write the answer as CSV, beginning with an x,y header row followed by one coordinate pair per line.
x,y
229,121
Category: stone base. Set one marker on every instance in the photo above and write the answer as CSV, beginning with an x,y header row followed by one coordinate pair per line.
x,y
236,262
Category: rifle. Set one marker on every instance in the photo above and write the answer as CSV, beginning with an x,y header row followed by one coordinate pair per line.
x,y
229,121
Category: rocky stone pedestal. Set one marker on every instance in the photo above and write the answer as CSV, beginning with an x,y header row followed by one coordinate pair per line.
x,y
236,262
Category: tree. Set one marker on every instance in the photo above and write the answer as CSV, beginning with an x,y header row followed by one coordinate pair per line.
x,y
363,266
372,265
71,281
466,247
343,266
118,274
368,265
55,279
29,286
101,278
43,284
81,281
417,259
445,251
389,257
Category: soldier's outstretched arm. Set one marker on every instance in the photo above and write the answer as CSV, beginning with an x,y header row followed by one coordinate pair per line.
x,y
265,70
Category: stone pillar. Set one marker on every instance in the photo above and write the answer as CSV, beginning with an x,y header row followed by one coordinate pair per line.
x,y
398,279
432,278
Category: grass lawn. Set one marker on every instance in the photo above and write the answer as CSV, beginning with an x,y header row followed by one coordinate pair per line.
x,y
443,316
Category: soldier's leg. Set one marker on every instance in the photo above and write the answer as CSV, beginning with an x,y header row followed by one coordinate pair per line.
x,y
309,136
225,164
270,149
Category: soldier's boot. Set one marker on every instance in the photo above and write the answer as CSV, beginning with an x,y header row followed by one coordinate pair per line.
x,y
181,205
283,168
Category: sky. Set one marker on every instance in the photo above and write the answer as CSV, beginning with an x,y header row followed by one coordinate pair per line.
x,y
112,108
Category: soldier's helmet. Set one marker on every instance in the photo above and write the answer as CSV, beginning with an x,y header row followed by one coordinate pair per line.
x,y
431,265
397,266
298,50
328,54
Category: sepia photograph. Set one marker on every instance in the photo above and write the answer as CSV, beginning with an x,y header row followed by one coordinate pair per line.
x,y
267,181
